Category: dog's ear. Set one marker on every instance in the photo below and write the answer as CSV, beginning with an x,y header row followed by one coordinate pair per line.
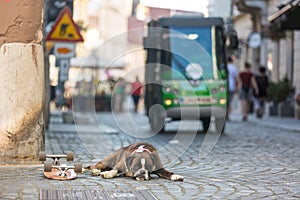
x,y
156,161
128,162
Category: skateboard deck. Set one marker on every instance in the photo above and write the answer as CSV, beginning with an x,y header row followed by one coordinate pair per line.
x,y
57,171
56,174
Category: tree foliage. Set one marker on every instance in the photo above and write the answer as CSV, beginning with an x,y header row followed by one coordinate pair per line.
x,y
278,92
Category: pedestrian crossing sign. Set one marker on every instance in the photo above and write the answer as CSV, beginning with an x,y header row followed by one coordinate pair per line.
x,y
64,29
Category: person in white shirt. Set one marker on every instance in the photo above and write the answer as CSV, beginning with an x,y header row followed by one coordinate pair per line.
x,y
232,83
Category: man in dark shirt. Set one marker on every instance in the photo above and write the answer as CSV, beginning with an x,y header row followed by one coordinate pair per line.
x,y
246,84
262,84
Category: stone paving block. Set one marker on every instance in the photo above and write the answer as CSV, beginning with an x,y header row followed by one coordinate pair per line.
x,y
30,197
10,196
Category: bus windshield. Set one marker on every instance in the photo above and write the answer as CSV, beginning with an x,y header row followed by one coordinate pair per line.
x,y
190,53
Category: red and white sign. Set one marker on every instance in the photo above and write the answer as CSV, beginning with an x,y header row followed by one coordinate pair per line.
x,y
64,50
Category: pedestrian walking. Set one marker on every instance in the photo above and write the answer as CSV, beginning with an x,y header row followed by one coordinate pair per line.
x,y
136,91
119,94
247,84
262,84
232,83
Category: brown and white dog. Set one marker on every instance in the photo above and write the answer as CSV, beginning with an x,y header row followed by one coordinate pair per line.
x,y
137,160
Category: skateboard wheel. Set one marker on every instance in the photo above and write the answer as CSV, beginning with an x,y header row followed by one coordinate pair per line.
x,y
42,156
70,155
77,167
47,167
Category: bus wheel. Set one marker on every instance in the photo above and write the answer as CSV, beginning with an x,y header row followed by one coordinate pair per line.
x,y
220,124
206,123
157,118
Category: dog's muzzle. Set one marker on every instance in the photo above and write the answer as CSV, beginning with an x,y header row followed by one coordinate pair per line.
x,y
141,175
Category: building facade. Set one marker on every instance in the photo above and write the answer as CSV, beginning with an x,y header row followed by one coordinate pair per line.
x,y
278,49
220,9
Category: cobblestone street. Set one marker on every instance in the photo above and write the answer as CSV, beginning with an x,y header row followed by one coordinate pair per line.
x,y
249,161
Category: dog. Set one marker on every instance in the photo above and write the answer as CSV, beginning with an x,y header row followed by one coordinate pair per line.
x,y
137,160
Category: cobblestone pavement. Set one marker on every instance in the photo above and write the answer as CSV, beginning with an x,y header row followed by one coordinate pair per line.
x,y
250,161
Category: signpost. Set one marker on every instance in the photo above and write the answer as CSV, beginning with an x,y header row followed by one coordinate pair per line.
x,y
65,34
64,69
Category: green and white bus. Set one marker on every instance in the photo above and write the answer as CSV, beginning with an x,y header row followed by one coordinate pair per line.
x,y
185,72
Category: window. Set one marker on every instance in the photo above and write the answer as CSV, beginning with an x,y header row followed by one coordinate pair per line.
x,y
186,46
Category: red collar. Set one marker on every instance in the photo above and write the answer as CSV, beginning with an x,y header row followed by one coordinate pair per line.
x,y
140,150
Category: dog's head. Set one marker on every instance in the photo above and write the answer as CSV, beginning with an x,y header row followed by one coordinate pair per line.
x,y
141,165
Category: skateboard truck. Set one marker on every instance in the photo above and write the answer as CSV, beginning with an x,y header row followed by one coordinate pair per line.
x,y
63,168
69,156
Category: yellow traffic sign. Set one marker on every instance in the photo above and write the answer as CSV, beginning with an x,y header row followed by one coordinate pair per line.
x,y
64,29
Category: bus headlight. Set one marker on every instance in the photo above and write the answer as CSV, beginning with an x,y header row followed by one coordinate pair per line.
x,y
168,102
222,101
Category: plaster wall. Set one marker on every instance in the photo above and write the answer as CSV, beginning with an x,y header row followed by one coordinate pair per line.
x,y
21,81
21,21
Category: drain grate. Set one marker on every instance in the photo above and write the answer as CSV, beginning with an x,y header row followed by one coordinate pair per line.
x,y
96,194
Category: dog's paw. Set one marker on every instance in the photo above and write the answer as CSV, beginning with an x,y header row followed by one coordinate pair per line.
x,y
109,174
95,172
176,177
84,170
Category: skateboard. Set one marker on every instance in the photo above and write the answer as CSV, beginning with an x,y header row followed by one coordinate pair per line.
x,y
58,171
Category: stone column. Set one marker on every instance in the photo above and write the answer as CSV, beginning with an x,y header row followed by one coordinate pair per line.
x,y
21,81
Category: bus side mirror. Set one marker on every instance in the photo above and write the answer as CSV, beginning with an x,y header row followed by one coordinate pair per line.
x,y
151,43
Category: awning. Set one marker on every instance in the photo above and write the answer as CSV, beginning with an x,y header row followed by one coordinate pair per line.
x,y
287,18
94,61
